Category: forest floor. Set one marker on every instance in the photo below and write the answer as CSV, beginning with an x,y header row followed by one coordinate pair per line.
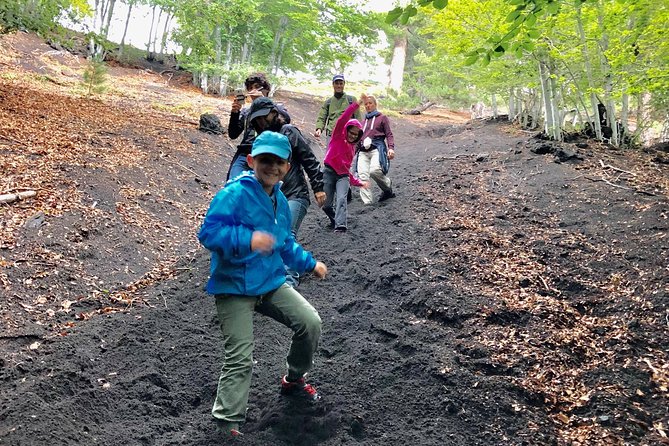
x,y
504,297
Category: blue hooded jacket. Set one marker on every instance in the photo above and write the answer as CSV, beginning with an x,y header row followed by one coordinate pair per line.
x,y
237,210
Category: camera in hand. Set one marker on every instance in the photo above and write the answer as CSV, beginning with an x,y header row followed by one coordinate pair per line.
x,y
240,96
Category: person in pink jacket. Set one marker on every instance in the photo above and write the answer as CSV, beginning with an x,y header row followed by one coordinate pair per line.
x,y
337,176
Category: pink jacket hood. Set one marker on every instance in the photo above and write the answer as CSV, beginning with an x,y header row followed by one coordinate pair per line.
x,y
340,152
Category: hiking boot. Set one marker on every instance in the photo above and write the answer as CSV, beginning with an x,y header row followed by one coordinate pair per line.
x,y
385,195
228,428
340,229
299,388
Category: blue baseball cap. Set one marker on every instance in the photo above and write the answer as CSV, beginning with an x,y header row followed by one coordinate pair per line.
x,y
273,143
338,77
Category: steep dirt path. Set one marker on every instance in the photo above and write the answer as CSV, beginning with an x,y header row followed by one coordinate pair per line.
x,y
501,298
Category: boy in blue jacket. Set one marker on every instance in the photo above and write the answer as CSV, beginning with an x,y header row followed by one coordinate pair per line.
x,y
247,230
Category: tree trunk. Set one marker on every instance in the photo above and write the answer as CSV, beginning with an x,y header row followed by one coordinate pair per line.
x,y
544,76
218,50
588,70
605,69
204,83
396,72
644,119
512,104
624,113
245,48
163,39
494,105
555,102
155,33
92,50
283,25
148,43
125,29
110,13
228,49
280,57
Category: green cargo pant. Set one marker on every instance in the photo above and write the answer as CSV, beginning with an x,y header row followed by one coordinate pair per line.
x,y
235,314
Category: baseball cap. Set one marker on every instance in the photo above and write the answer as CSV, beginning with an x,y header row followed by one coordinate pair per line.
x,y
338,77
273,143
260,107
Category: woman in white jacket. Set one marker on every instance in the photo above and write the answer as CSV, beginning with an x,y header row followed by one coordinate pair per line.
x,y
375,150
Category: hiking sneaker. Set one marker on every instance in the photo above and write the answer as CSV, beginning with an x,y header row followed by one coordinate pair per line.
x,y
299,388
386,195
340,229
230,428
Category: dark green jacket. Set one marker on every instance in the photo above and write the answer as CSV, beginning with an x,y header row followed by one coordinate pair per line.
x,y
331,111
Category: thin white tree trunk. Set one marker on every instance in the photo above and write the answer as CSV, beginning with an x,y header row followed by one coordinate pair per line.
x,y
110,13
125,29
228,50
283,25
163,38
494,105
546,95
555,103
397,63
644,119
588,70
148,43
155,33
624,113
92,50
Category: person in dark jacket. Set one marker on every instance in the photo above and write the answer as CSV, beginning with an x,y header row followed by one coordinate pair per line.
x,y
256,86
264,115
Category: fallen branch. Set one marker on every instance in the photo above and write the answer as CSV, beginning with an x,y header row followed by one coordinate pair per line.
x,y
608,166
609,183
418,110
8,198
454,157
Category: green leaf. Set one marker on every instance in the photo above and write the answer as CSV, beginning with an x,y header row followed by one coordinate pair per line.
x,y
528,46
513,33
404,18
394,14
531,20
486,60
424,2
513,15
533,34
517,2
471,60
552,8
411,10
440,4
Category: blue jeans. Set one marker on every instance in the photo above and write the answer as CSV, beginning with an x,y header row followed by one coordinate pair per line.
x,y
298,209
237,166
336,189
